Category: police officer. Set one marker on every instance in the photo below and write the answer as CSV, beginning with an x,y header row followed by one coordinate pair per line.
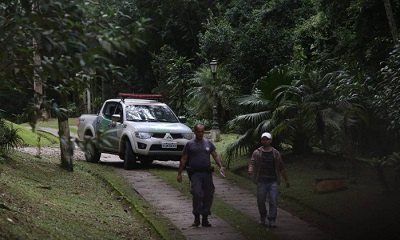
x,y
196,160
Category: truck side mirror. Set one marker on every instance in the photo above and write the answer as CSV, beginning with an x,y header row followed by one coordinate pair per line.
x,y
182,119
116,117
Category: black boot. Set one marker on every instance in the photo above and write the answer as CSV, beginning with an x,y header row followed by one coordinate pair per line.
x,y
205,222
196,222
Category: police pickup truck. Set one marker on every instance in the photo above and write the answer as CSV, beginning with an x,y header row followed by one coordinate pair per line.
x,y
137,127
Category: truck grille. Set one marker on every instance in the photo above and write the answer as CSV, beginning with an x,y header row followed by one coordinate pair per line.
x,y
162,135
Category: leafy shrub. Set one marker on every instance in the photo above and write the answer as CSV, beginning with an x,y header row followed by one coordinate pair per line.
x,y
9,137
387,98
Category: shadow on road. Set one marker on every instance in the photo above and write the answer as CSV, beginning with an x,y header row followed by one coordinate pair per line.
x,y
167,165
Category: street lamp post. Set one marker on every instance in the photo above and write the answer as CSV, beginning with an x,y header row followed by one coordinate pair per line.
x,y
215,132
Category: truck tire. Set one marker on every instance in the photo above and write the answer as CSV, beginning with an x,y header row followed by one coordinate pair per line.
x,y
130,157
92,154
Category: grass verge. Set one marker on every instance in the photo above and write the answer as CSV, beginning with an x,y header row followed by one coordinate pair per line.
x,y
53,123
39,200
361,211
36,138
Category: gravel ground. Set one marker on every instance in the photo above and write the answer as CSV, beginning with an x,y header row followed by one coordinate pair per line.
x,y
79,155
52,152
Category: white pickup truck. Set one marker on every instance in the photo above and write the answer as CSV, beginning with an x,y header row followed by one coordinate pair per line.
x,y
134,128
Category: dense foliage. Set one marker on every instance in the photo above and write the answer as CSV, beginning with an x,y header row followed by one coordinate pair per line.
x,y
340,60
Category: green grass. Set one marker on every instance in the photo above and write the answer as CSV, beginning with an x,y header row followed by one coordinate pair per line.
x,y
362,211
36,138
40,138
39,200
53,123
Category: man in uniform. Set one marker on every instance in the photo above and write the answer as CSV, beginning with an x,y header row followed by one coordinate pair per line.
x,y
196,160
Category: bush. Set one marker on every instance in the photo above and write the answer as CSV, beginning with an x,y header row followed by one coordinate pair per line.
x,y
9,137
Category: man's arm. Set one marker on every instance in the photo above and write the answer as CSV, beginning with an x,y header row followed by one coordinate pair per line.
x,y
285,177
182,165
250,169
217,160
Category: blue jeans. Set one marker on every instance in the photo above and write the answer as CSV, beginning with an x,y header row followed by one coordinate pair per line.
x,y
202,189
270,190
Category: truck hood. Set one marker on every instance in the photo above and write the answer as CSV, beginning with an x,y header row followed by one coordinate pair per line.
x,y
159,127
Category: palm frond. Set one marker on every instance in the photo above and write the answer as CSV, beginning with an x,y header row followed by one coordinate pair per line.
x,y
251,119
9,137
242,145
254,100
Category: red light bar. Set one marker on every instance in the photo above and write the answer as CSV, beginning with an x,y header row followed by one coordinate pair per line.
x,y
141,96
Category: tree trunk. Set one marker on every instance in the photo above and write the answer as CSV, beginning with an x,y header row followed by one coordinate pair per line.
x,y
66,145
106,89
391,20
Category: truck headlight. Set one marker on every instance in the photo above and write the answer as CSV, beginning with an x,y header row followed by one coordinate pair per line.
x,y
143,135
187,136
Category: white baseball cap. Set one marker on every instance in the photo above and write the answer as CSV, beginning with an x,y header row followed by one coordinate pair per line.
x,y
267,135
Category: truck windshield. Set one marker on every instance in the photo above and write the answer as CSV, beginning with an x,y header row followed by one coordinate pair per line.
x,y
150,113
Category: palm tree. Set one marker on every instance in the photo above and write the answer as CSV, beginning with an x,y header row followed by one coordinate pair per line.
x,y
317,109
261,106
304,111
313,100
207,91
9,138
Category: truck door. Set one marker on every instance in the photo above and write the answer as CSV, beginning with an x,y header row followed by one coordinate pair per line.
x,y
105,126
117,127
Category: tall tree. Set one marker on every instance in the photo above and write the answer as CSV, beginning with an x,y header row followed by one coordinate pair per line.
x,y
68,42
391,20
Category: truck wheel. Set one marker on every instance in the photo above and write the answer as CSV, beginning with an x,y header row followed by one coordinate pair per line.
x,y
92,154
130,157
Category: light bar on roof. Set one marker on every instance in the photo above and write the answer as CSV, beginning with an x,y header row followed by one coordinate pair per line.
x,y
141,96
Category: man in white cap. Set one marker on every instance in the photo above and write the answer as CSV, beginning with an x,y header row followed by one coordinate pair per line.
x,y
266,167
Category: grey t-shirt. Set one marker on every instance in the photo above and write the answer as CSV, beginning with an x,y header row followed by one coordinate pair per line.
x,y
199,153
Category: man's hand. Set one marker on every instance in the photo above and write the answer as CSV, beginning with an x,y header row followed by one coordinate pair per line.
x,y
250,170
179,177
222,171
